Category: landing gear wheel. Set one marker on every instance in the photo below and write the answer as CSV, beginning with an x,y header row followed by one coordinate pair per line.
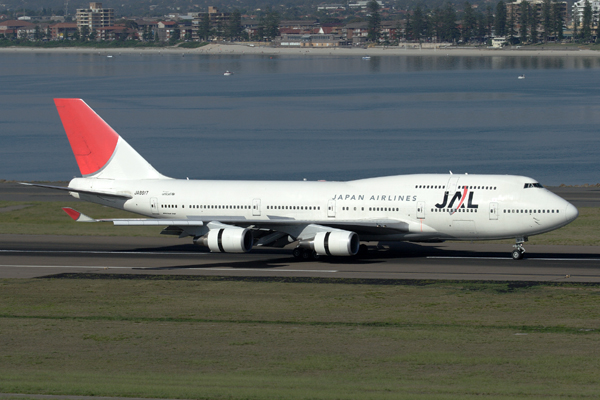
x,y
519,250
306,254
297,253
517,254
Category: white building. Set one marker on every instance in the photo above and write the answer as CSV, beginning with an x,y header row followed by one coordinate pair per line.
x,y
577,11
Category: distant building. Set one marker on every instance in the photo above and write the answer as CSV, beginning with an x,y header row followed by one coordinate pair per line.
x,y
363,4
15,28
217,21
95,17
308,40
166,29
61,30
331,7
577,11
115,32
514,9
498,42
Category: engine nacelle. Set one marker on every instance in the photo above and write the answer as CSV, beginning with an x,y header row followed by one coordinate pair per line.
x,y
336,243
227,240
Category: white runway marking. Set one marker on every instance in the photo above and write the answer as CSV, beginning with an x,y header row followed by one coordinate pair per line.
x,y
63,266
100,252
510,259
182,268
267,269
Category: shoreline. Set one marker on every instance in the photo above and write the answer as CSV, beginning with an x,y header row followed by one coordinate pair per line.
x,y
246,49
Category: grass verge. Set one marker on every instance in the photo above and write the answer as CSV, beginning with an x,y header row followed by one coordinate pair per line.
x,y
213,339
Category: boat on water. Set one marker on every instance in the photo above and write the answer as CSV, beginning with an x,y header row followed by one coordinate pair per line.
x,y
227,73
521,76
366,57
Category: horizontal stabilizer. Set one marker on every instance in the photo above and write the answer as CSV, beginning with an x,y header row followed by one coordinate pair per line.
x,y
77,216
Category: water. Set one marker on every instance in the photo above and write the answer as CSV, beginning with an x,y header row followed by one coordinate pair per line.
x,y
313,117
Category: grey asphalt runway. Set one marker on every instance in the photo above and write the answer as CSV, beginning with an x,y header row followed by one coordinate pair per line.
x,y
23,256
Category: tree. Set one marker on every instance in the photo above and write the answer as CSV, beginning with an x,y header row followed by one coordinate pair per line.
x,y
558,21
469,23
586,23
510,28
523,21
547,16
407,28
85,33
176,34
419,24
481,27
204,28
268,26
500,23
234,27
131,24
38,34
533,22
374,23
489,13
448,27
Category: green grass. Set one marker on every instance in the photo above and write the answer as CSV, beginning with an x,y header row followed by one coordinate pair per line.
x,y
211,339
47,218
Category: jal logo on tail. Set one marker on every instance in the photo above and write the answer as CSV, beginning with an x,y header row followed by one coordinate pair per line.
x,y
460,197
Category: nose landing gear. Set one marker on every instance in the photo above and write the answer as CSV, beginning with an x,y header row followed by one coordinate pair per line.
x,y
519,250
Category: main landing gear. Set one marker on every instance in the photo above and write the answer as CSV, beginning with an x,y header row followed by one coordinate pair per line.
x,y
519,250
305,254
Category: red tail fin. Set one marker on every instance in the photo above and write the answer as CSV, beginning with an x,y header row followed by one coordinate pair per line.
x,y
93,141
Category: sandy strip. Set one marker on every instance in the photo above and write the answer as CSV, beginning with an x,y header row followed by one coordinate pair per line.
x,y
336,52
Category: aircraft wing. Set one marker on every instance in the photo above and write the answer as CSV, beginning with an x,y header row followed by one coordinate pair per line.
x,y
124,196
366,225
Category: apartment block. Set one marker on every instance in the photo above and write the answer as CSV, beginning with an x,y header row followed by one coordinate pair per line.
x,y
95,17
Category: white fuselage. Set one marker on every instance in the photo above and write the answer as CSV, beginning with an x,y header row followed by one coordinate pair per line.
x,y
404,207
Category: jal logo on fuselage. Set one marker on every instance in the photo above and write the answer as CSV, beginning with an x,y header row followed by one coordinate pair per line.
x,y
460,197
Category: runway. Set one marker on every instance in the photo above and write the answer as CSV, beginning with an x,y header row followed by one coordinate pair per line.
x,y
23,256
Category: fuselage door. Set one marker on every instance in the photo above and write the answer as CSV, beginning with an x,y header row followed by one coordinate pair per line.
x,y
154,205
493,210
421,210
451,186
256,207
331,208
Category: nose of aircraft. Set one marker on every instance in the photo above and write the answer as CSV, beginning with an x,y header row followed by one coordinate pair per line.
x,y
571,212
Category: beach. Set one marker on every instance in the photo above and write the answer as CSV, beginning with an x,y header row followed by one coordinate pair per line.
x,y
244,48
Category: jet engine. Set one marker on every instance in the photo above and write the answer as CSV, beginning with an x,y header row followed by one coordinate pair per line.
x,y
336,243
227,240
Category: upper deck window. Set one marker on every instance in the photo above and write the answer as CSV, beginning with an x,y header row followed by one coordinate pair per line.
x,y
531,185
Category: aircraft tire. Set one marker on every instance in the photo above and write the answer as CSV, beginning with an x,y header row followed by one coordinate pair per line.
x,y
517,254
306,254
297,253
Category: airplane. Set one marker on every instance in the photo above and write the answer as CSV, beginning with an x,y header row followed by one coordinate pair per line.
x,y
322,218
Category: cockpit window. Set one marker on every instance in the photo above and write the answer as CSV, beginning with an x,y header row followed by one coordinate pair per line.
x,y
532,185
